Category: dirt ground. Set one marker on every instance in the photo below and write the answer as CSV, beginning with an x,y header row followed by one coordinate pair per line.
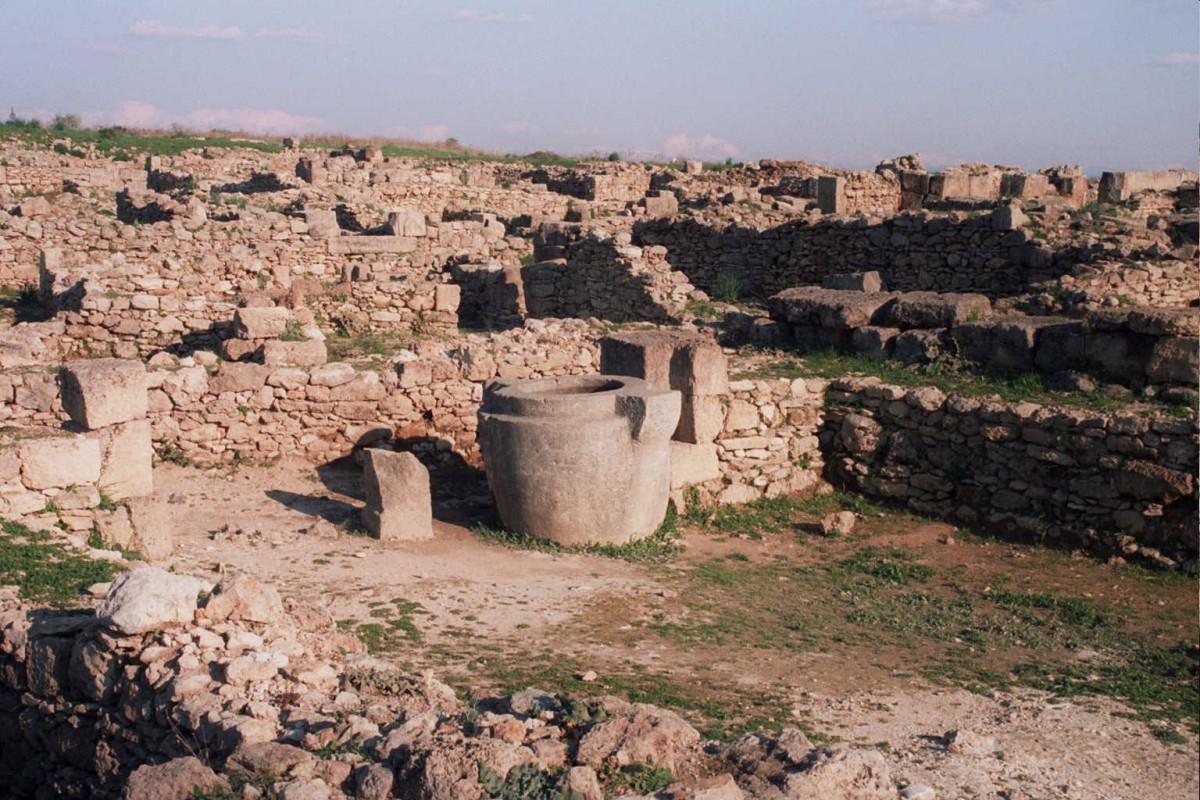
x,y
493,617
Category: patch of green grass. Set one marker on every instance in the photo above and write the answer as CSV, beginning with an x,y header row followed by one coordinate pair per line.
x,y
123,143
47,570
635,779
293,332
728,288
348,347
777,514
957,377
662,545
1158,682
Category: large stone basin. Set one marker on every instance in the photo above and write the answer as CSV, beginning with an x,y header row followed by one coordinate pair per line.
x,y
581,459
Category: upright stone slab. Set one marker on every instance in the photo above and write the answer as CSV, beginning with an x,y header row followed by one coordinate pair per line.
x,y
406,222
831,194
126,459
399,508
691,364
104,391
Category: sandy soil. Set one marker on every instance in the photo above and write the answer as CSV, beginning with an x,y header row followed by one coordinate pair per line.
x,y
286,525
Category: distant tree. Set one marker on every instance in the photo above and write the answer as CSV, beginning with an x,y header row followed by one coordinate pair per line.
x,y
67,122
614,156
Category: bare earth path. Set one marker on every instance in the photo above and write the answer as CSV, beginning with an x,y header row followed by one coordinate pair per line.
x,y
486,613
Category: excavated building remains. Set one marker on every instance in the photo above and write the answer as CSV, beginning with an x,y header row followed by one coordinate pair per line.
x,y
569,329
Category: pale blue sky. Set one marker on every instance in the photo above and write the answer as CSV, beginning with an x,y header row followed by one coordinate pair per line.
x,y
1108,84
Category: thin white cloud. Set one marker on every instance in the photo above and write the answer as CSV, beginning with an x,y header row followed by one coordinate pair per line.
x,y
1179,59
706,146
498,17
261,121
155,28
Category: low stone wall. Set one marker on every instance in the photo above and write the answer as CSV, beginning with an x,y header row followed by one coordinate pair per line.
x,y
768,445
607,278
1120,482
912,251
1173,284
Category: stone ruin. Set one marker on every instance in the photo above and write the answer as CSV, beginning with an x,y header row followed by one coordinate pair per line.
x,y
583,334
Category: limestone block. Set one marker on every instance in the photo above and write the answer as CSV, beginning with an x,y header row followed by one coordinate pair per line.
x,y
446,297
831,194
870,281
686,362
104,391
661,204
837,309
701,418
126,459
60,461
153,521
147,599
874,341
182,777
1008,218
693,463
1003,345
371,245
1173,360
398,507
260,323
242,598
311,353
240,349
239,378
741,416
933,310
322,223
406,223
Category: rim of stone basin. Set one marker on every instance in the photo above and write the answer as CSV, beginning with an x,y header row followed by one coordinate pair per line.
x,y
565,392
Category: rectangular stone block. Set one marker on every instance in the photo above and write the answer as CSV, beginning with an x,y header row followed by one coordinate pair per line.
x,y
446,297
870,281
104,391
701,418
261,323
371,245
1173,360
322,223
126,459
688,363
399,508
831,194
311,353
406,223
59,461
693,463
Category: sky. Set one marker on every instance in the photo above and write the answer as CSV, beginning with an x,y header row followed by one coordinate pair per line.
x,y
1106,84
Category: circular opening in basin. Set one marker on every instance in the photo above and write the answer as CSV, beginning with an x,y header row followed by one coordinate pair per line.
x,y
578,386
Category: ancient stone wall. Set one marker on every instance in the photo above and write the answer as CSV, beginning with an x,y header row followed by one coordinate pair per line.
x,y
992,253
1168,285
1120,481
